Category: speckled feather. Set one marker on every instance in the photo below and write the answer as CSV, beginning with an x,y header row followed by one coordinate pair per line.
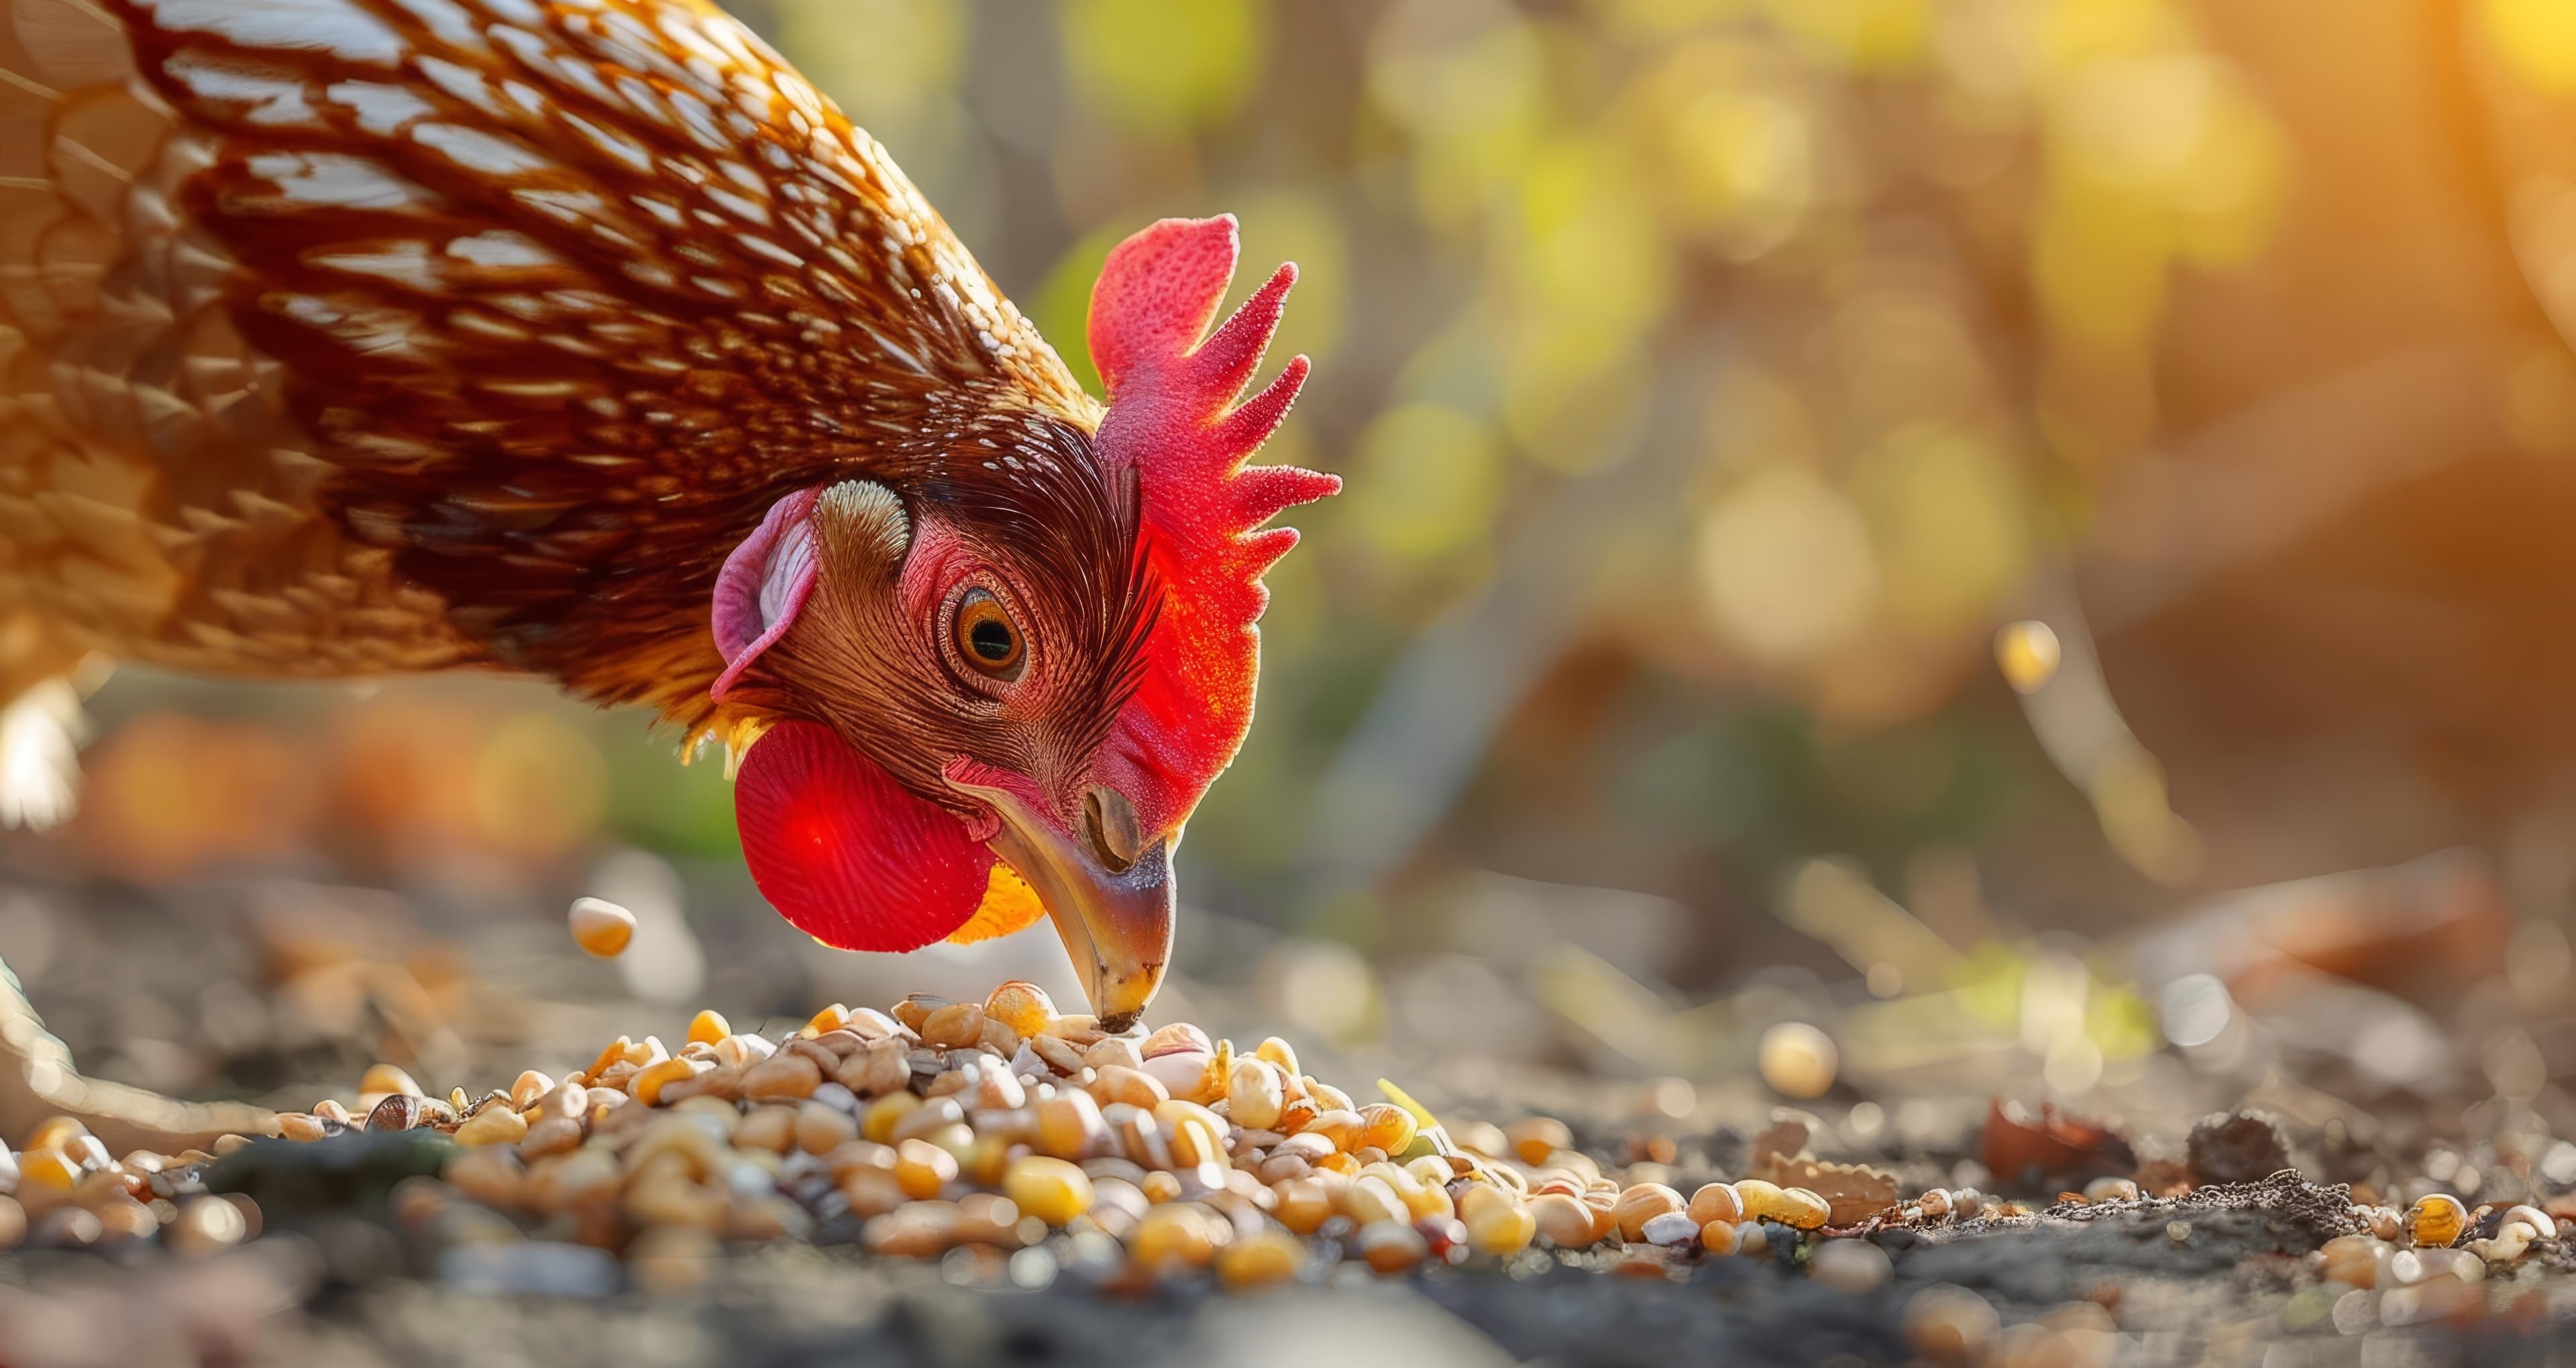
x,y
341,336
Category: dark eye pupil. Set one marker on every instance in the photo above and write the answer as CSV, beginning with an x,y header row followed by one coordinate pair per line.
x,y
990,639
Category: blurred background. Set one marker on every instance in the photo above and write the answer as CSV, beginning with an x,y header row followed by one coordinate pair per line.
x,y
2028,535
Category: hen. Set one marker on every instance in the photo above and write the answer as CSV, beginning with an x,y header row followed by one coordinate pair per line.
x,y
583,338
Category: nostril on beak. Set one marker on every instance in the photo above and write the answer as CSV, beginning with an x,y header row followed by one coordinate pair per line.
x,y
1109,824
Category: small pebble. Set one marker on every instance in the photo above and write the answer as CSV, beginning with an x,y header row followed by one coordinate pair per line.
x,y
1850,1266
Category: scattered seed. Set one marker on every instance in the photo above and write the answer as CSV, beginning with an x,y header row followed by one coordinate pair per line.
x,y
601,927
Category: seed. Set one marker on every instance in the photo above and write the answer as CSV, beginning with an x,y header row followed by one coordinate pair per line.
x,y
601,927
1641,1204
493,1126
48,1170
1716,1202
298,1127
957,1026
884,1114
782,1075
916,1009
398,1112
550,1135
1069,1125
1538,1137
934,1115
1173,1233
528,1087
1850,1266
1387,1127
1499,1228
822,1128
1134,1087
915,1229
1935,1204
2436,1220
1253,1095
2355,1260
1567,1223
1718,1237
1051,1190
1116,1050
2542,1227
493,1176
1261,1259
1392,1247
708,1027
1024,1007
1371,1200
13,1223
1304,1204
2110,1190
1178,1036
923,1168
1949,1324
1793,1207
647,1084
1340,1126
381,1079
1184,1073
1279,1054
766,1128
1797,1060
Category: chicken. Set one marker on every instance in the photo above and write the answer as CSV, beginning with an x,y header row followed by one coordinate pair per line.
x,y
584,339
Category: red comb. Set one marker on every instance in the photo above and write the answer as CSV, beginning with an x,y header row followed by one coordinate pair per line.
x,y
1172,419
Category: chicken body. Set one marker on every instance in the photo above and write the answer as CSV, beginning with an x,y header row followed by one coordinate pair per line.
x,y
583,338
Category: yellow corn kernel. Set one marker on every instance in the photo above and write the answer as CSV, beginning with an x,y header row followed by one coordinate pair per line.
x,y
708,1027
1260,1260
1052,1190
1024,1007
647,1084
601,927
494,1125
923,1169
1172,1233
2436,1220
383,1079
1386,1126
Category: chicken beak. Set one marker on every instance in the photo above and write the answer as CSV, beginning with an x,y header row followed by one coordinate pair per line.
x,y
1111,902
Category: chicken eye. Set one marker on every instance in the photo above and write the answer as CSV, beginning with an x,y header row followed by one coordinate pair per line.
x,y
986,636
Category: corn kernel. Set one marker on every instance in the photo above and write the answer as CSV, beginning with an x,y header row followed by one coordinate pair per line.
x,y
1160,1186
1641,1204
1387,1127
1304,1205
1718,1237
1500,1228
1173,1233
48,1168
601,927
923,1168
385,1079
1052,1190
299,1127
708,1027
1392,1247
1279,1054
647,1084
2437,1220
1260,1260
1567,1223
1716,1202
494,1125
1538,1137
56,1132
1024,1007
1253,1094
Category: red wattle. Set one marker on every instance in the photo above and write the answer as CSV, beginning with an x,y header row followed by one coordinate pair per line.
x,y
842,851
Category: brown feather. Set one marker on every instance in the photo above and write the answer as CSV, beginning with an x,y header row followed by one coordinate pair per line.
x,y
357,335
